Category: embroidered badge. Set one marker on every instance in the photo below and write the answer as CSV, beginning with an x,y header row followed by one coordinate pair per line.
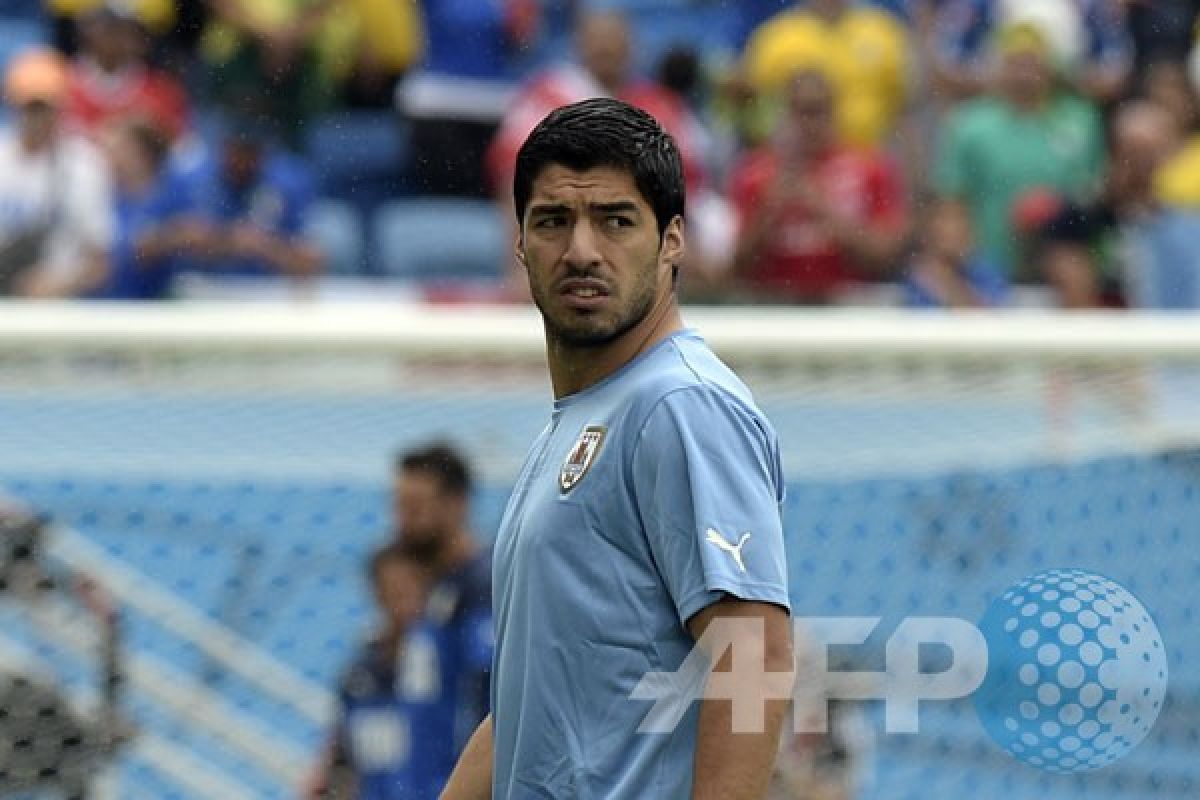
x,y
586,448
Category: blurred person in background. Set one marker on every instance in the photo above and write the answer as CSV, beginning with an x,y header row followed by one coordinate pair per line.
x,y
110,78
1088,43
450,658
1168,85
276,60
151,211
56,218
946,271
157,17
248,209
375,751
603,68
1081,247
386,44
815,215
456,96
864,50
1025,135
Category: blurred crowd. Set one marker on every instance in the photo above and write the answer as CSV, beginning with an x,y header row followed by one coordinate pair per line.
x,y
930,153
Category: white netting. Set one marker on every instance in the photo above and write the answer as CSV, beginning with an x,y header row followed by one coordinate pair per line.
x,y
224,471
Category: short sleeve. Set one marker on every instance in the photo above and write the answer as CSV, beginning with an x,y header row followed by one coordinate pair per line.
x,y
708,485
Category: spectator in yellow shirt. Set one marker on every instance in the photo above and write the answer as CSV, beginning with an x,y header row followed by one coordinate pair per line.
x,y
865,51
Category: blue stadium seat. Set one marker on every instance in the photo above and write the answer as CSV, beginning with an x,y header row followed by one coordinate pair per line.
x,y
435,239
358,156
337,229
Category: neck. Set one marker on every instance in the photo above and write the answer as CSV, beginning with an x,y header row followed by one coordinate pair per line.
x,y
575,368
138,184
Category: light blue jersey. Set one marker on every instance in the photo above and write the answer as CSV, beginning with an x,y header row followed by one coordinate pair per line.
x,y
649,496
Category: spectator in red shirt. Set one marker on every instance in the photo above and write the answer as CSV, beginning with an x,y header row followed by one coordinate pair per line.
x,y
110,79
814,215
603,44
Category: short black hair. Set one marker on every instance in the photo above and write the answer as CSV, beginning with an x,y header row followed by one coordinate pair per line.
x,y
442,461
604,132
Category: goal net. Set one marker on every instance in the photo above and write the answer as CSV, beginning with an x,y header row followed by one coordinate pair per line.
x,y
222,472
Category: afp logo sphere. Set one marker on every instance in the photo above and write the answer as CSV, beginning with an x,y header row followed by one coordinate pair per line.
x,y
1077,671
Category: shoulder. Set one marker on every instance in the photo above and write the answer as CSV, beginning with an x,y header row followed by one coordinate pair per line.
x,y
980,116
691,384
753,169
361,676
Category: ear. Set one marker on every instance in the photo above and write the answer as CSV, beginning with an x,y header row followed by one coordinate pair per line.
x,y
672,249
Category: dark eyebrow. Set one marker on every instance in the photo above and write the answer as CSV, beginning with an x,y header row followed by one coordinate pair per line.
x,y
549,208
619,207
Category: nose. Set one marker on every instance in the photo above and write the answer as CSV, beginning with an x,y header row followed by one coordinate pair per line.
x,y
582,249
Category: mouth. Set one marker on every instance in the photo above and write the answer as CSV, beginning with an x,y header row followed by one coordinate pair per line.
x,y
583,294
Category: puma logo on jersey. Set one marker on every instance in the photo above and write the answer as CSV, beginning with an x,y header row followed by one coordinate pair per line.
x,y
734,550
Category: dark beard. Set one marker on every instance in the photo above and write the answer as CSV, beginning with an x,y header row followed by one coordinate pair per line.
x,y
581,339
427,551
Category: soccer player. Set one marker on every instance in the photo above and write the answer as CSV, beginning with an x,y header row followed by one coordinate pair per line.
x,y
646,511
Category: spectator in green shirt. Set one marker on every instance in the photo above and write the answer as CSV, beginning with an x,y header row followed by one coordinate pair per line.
x,y
1025,135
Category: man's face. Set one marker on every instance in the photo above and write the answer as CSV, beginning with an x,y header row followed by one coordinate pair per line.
x,y
811,114
591,246
603,44
423,510
1026,73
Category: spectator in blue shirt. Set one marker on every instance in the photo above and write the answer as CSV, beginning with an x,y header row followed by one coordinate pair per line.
x,y
947,271
149,205
1091,37
252,202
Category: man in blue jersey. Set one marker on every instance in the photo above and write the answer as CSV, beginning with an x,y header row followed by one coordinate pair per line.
x,y
448,658
647,511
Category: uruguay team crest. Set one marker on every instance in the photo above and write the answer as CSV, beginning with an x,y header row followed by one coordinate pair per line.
x,y
586,448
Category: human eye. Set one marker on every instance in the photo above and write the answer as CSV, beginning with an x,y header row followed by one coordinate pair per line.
x,y
618,221
550,222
